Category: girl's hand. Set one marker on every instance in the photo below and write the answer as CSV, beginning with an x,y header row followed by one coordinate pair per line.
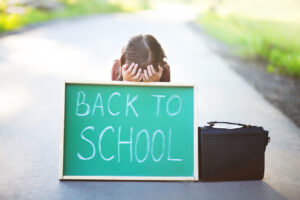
x,y
150,75
130,73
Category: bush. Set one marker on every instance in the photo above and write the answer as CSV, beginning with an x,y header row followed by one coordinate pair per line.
x,y
71,8
276,42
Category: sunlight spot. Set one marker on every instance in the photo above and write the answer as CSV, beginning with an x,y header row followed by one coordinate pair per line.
x,y
13,100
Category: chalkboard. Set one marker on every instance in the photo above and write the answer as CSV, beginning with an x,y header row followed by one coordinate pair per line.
x,y
129,131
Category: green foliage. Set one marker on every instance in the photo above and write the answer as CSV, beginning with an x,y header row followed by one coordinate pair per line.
x,y
9,22
270,69
71,8
277,42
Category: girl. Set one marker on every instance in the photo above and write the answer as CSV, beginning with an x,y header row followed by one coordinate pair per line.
x,y
142,60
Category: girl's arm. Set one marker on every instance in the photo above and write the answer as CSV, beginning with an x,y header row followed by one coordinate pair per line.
x,y
115,72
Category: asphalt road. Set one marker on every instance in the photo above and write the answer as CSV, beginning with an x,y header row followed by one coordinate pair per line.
x,y
34,65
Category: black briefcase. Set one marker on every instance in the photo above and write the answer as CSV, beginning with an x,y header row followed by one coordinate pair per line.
x,y
232,154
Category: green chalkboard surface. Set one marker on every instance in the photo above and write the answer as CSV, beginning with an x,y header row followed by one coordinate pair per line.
x,y
129,131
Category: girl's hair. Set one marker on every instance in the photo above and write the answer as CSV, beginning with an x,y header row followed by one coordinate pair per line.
x,y
143,50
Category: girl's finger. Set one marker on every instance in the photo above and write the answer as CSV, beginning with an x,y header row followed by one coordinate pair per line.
x,y
134,69
141,77
137,76
149,71
130,68
152,69
124,67
146,75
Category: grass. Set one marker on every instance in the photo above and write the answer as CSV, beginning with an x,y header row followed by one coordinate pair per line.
x,y
277,42
9,22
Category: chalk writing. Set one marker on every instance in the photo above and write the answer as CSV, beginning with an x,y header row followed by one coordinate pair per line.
x,y
135,137
109,130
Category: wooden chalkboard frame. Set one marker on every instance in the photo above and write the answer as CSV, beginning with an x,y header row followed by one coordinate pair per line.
x,y
132,178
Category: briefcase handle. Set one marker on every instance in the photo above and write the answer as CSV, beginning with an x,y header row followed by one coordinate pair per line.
x,y
211,124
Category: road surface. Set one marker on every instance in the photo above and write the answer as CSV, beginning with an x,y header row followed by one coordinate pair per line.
x,y
34,65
